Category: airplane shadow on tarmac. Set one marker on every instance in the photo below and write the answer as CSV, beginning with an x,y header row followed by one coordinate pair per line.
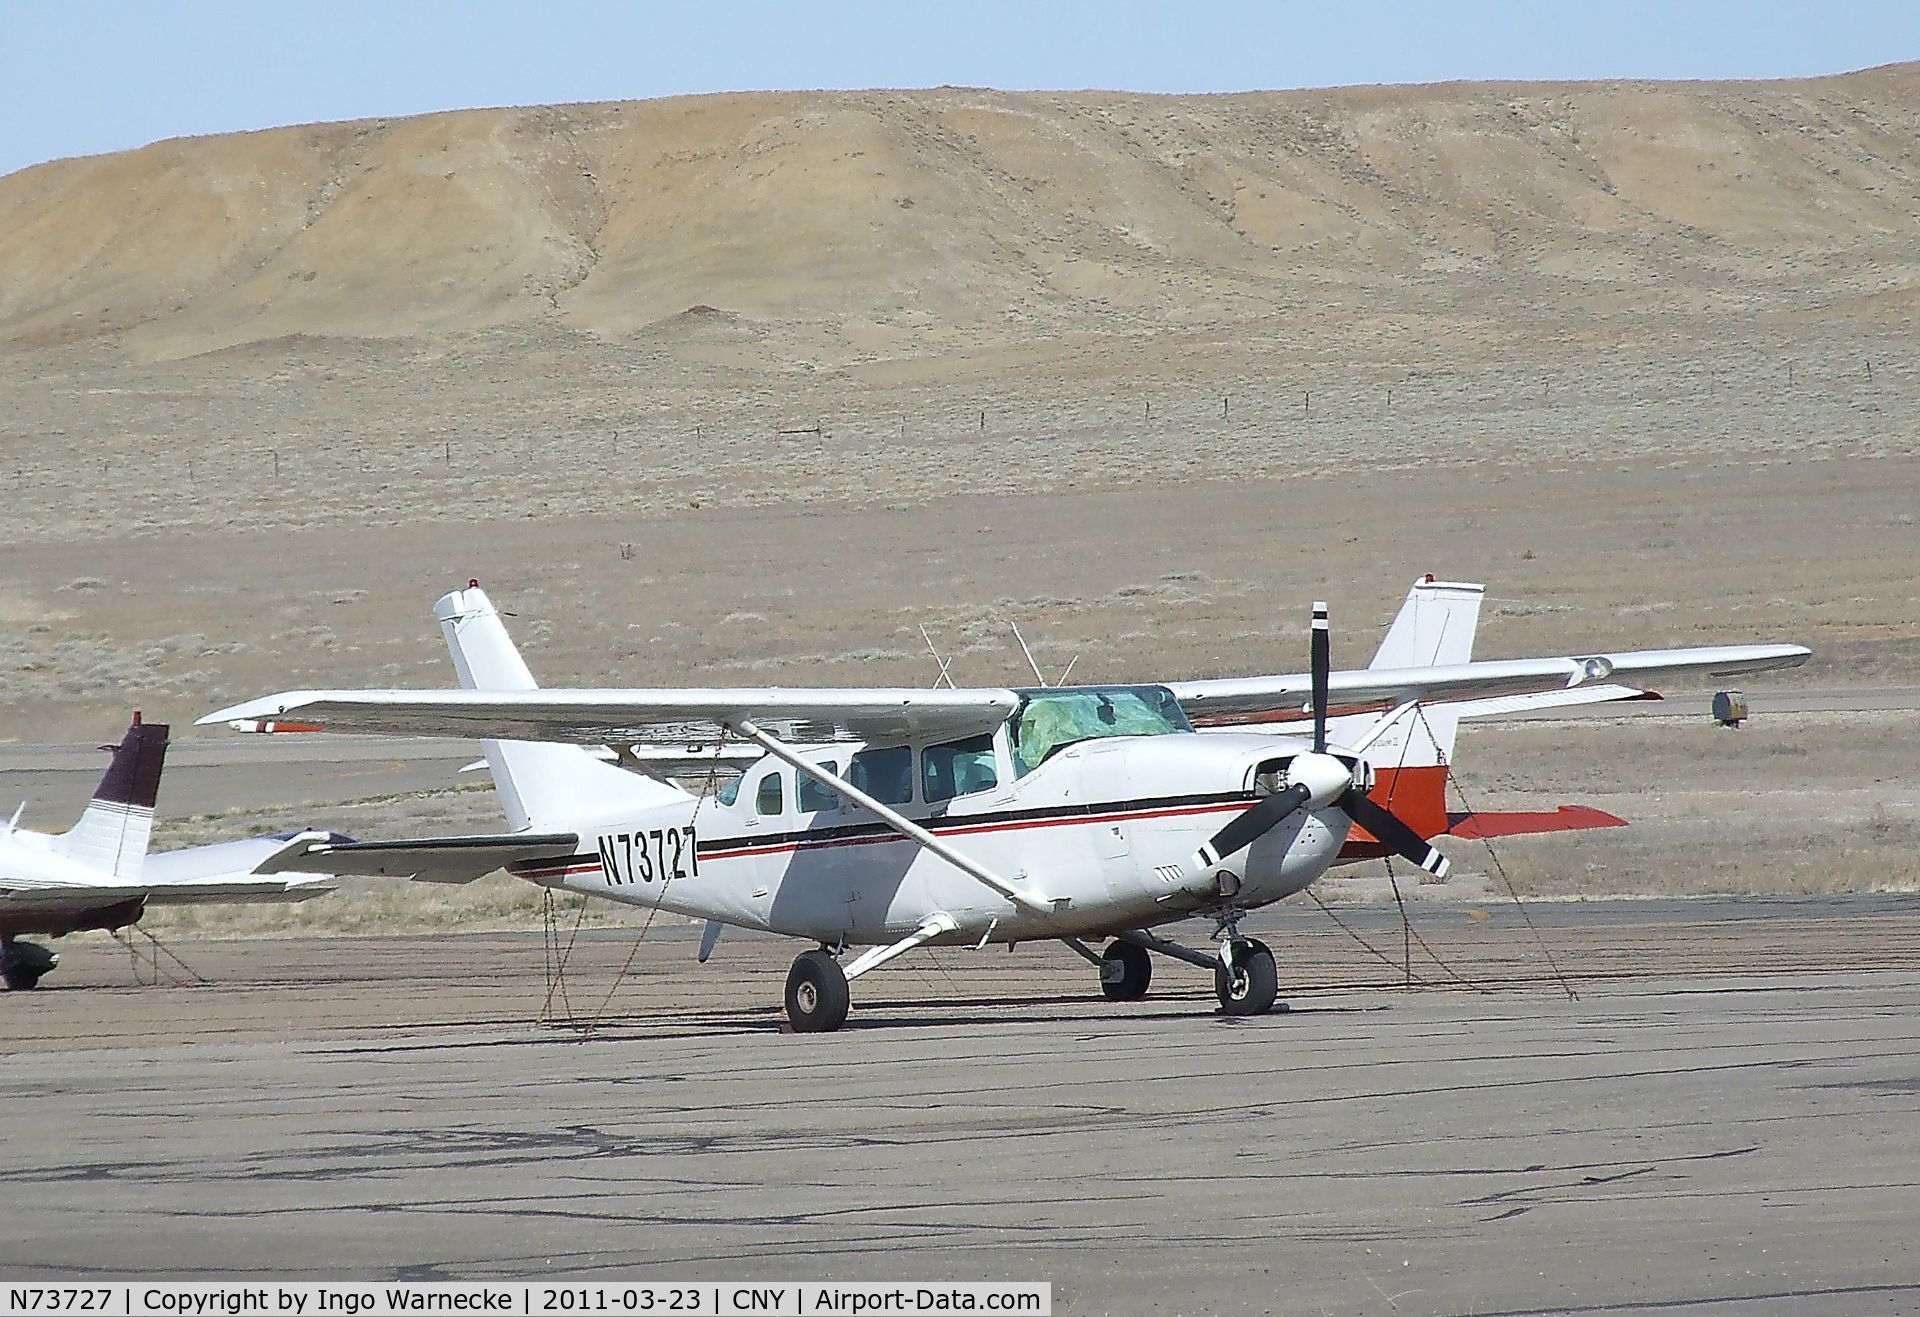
x,y
970,1012
880,1017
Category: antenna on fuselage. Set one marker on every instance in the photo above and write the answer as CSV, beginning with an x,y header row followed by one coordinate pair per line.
x,y
1038,675
944,676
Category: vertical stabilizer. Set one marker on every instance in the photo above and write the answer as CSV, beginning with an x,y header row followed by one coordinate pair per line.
x,y
540,785
1434,628
112,833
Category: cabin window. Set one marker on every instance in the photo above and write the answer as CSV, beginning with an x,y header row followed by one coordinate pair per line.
x,y
886,775
768,799
1052,720
812,794
957,768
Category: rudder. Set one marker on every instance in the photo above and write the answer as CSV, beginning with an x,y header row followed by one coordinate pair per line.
x,y
112,832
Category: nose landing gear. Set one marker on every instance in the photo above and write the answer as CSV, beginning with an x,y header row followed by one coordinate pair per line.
x,y
1246,980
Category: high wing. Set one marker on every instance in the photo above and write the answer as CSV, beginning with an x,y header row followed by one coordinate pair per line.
x,y
427,859
1285,697
1350,726
615,717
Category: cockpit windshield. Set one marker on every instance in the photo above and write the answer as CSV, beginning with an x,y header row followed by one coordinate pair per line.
x,y
1050,720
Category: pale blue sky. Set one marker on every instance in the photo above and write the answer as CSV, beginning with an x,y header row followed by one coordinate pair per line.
x,y
84,76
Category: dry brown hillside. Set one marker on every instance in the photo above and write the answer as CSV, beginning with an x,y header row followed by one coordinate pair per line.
x,y
865,226
746,388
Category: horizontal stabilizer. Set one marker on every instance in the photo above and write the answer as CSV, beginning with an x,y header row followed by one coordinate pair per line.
x,y
1522,823
429,859
1539,701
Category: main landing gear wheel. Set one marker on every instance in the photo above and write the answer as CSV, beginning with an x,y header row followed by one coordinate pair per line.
x,y
1125,971
22,964
1250,987
817,996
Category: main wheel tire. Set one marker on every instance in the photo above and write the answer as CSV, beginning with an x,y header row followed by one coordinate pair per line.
x,y
23,963
1253,984
1125,971
21,980
817,995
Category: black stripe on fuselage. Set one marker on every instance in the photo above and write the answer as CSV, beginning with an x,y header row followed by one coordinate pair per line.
x,y
851,832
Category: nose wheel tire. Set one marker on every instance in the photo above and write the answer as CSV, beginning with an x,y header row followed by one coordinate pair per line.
x,y
817,995
1125,971
1250,987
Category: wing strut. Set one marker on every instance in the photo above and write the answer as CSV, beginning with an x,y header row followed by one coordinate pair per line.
x,y
874,957
906,827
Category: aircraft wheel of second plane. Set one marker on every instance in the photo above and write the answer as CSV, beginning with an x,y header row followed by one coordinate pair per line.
x,y
817,995
22,964
1125,971
1254,983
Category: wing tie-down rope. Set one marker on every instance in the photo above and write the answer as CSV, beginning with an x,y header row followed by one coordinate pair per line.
x,y
706,790
1453,779
152,961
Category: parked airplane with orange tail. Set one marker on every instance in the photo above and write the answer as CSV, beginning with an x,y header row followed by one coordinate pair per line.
x,y
893,818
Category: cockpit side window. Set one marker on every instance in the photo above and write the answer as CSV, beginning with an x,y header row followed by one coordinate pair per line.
x,y
730,793
768,798
957,768
886,775
812,794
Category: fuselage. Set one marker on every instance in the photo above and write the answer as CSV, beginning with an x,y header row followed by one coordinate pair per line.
x,y
29,866
1105,830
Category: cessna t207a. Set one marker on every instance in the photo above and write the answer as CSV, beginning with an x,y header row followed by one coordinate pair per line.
x,y
894,818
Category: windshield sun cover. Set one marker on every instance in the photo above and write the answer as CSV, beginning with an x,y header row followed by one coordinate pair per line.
x,y
1050,720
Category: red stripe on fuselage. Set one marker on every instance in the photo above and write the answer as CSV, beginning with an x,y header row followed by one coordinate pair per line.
x,y
1018,825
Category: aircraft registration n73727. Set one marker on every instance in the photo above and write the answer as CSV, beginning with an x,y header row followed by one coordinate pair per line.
x,y
891,818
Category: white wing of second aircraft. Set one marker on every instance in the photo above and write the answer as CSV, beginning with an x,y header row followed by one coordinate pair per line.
x,y
224,872
228,870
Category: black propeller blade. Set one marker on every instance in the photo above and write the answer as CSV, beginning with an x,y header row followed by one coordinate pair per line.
x,y
1322,666
1393,834
1246,828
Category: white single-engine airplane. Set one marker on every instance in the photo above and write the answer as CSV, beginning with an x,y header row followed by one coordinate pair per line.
x,y
896,818
98,875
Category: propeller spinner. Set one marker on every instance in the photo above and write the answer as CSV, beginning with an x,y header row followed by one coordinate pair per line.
x,y
1316,780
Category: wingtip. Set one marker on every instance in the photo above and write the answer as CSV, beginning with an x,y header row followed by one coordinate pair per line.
x,y
266,708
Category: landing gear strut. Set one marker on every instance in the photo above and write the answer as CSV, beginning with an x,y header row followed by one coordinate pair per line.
x,y
817,996
1245,980
1125,971
22,964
